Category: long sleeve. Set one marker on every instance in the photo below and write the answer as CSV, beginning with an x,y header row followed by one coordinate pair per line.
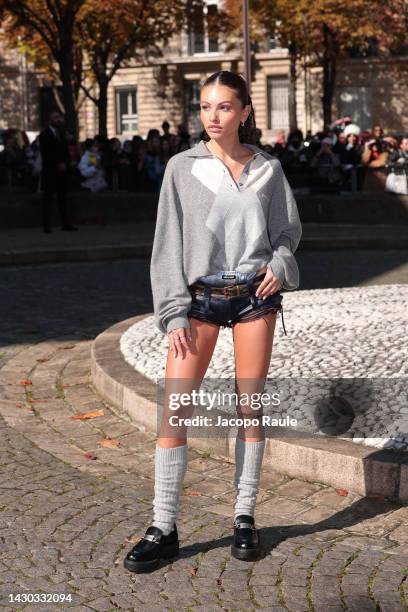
x,y
283,214
171,297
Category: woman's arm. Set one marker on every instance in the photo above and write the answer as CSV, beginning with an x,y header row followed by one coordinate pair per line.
x,y
171,297
366,155
285,230
380,161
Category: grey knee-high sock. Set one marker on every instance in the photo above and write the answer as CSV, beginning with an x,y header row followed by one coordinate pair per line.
x,y
248,461
170,468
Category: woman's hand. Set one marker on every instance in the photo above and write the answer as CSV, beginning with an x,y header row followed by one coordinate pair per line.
x,y
269,285
177,338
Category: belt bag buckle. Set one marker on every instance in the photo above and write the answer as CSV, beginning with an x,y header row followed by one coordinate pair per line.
x,y
231,291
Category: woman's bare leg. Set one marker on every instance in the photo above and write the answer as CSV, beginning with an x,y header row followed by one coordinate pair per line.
x,y
185,375
253,342
253,349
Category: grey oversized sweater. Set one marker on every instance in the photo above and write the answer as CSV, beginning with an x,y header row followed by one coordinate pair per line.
x,y
207,222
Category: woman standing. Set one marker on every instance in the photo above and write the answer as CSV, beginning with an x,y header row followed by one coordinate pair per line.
x,y
227,227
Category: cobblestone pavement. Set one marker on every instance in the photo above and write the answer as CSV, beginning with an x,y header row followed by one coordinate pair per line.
x,y
76,494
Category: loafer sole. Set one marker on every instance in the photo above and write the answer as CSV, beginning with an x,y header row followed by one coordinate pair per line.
x,y
246,554
139,567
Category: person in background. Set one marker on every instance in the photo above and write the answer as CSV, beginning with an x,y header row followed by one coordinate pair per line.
x,y
74,177
112,159
390,144
12,156
280,143
34,160
294,160
137,162
326,165
165,155
340,124
377,132
166,132
375,158
294,153
351,152
90,167
152,161
397,176
400,154
54,176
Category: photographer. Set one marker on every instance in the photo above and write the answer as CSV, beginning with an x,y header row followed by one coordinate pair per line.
x,y
375,158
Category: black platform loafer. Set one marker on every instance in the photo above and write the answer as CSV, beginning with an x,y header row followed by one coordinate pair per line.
x,y
246,544
146,554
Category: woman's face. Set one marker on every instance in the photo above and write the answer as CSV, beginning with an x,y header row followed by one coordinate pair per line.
x,y
221,107
352,139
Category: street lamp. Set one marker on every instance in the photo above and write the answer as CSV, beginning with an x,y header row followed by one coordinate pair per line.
x,y
247,52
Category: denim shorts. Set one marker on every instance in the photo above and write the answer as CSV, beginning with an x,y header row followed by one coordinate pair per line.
x,y
227,311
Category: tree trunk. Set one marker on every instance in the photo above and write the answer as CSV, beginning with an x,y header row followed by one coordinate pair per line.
x,y
68,97
292,87
103,106
329,73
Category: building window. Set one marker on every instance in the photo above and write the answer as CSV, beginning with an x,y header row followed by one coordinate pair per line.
x,y
278,103
126,110
356,102
202,36
192,107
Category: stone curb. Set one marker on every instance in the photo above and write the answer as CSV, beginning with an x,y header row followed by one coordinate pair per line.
x,y
327,460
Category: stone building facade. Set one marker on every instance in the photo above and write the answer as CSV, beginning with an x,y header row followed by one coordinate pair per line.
x,y
142,96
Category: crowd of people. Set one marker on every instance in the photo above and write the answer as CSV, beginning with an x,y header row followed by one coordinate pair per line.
x,y
342,158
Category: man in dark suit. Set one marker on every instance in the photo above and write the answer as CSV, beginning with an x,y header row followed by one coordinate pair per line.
x,y
55,163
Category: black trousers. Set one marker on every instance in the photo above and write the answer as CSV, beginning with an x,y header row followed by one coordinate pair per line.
x,y
60,192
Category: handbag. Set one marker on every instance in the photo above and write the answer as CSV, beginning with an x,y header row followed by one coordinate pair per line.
x,y
397,183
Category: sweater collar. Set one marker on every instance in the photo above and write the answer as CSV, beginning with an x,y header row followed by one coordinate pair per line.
x,y
200,150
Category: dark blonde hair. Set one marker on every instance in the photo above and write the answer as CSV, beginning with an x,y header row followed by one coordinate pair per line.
x,y
246,132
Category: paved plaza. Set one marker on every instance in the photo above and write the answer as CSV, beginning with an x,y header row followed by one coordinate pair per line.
x,y
76,493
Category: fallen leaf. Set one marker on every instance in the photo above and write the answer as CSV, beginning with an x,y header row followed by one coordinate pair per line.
x,y
87,415
192,493
133,540
109,442
342,492
191,570
90,456
25,382
42,359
